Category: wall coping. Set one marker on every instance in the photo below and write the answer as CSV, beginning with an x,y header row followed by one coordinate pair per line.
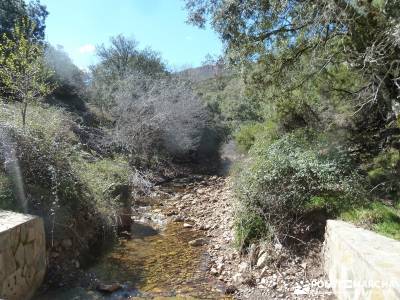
x,y
370,245
361,264
9,219
22,255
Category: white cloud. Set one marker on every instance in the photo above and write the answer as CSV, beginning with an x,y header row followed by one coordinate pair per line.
x,y
86,49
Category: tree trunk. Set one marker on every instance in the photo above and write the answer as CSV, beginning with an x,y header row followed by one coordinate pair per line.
x,y
23,113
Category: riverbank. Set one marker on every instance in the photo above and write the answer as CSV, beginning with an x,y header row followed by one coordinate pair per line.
x,y
181,244
155,257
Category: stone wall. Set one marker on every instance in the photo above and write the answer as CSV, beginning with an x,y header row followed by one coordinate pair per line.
x,y
22,255
361,264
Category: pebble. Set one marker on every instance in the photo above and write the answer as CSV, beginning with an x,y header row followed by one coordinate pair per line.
x,y
262,260
198,242
178,219
186,197
204,227
230,289
243,266
238,278
214,271
171,213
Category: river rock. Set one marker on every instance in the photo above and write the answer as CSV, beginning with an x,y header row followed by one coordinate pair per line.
x,y
243,267
204,227
186,197
214,271
220,267
187,225
230,289
237,278
109,288
178,219
278,247
171,213
198,242
262,260
249,280
201,191
126,234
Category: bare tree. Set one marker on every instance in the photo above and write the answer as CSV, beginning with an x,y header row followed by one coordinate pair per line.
x,y
158,117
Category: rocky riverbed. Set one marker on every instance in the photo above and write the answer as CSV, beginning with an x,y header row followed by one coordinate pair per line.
x,y
181,246
264,272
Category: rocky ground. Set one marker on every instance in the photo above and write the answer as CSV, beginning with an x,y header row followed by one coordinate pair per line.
x,y
264,272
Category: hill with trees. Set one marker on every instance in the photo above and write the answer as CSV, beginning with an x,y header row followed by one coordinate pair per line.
x,y
318,111
308,90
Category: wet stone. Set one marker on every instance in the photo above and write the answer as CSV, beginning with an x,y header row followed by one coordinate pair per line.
x,y
198,242
109,288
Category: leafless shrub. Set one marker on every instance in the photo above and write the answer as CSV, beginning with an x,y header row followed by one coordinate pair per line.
x,y
158,117
141,182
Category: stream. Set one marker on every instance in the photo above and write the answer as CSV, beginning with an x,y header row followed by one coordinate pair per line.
x,y
152,261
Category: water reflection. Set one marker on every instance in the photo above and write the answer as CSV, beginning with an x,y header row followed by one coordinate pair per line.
x,y
140,230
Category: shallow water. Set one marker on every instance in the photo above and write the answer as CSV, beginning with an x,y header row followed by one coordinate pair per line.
x,y
153,264
159,264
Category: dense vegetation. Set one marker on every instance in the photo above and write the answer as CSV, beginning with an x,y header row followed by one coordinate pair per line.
x,y
78,148
308,90
317,107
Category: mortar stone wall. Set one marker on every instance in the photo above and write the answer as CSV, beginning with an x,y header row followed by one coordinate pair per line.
x,y
22,255
361,264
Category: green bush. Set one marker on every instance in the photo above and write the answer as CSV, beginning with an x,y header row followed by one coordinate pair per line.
x,y
249,227
68,186
383,174
247,135
373,215
7,199
282,178
101,177
376,216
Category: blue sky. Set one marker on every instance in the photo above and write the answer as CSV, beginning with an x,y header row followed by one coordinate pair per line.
x,y
80,25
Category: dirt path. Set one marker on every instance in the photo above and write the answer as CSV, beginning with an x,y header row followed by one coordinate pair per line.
x,y
205,203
